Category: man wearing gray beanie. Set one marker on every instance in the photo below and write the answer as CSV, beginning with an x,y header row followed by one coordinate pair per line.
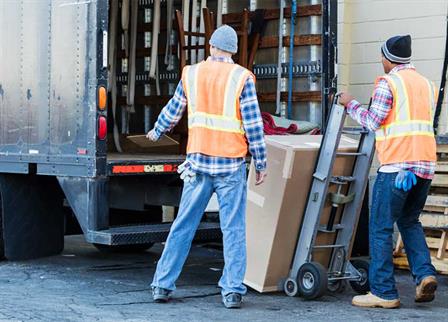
x,y
401,115
224,123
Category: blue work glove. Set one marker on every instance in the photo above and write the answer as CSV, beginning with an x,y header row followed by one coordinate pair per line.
x,y
405,180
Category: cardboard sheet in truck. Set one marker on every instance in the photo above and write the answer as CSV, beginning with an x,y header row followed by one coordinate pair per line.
x,y
275,208
144,142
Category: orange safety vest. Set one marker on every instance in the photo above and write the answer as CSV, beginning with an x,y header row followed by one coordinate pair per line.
x,y
213,91
407,133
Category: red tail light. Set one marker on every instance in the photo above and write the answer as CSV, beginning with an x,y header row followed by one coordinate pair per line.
x,y
102,127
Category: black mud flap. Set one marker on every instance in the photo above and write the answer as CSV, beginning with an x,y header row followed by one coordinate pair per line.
x,y
32,216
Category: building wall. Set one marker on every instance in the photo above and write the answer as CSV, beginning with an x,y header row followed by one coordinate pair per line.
x,y
363,25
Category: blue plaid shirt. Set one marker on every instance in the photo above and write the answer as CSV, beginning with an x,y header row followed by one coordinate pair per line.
x,y
252,123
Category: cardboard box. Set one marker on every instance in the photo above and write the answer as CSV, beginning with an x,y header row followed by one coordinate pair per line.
x,y
275,208
144,142
129,146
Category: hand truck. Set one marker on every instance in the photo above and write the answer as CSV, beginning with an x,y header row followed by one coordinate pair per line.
x,y
309,278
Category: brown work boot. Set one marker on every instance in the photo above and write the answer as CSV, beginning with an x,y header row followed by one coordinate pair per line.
x,y
370,300
424,292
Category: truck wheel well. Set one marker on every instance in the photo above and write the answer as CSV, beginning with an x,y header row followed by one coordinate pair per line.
x,y
32,216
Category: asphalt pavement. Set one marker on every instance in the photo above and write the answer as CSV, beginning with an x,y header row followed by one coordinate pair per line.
x,y
83,284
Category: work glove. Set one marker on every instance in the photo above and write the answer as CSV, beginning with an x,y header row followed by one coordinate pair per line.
x,y
186,174
405,180
152,135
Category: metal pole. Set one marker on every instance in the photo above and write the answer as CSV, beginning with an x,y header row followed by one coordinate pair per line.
x,y
291,54
280,58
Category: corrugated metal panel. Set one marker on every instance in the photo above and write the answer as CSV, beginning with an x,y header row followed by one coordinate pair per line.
x,y
48,81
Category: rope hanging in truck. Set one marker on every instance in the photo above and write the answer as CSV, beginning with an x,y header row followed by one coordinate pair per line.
x,y
186,14
155,39
201,53
154,70
125,24
112,77
132,60
219,10
194,27
169,57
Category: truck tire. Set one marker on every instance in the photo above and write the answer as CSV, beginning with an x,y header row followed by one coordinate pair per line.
x,y
124,249
32,216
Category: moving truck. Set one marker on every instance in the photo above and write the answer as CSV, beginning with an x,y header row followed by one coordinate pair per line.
x,y
61,171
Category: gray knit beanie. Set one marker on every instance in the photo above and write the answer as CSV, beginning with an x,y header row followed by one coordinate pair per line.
x,y
225,38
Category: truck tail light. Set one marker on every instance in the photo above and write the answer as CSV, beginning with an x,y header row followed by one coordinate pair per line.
x,y
102,127
102,98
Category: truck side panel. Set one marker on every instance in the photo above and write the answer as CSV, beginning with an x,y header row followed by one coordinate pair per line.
x,y
48,82
68,78
35,74
10,91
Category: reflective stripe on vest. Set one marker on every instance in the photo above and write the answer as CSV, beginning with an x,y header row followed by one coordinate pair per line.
x,y
403,125
192,86
400,129
215,122
237,76
228,121
401,98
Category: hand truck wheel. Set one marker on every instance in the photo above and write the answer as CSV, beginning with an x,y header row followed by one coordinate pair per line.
x,y
312,280
362,286
290,287
336,286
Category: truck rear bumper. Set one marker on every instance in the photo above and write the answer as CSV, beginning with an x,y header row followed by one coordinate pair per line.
x,y
131,235
119,164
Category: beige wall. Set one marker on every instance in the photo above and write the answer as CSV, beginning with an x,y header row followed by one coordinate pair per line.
x,y
363,25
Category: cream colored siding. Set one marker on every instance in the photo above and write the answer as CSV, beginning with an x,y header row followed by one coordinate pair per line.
x,y
363,25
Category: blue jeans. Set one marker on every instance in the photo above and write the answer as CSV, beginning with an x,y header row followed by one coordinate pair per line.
x,y
390,205
231,192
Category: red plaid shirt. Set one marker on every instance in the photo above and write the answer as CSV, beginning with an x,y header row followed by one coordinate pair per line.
x,y
374,117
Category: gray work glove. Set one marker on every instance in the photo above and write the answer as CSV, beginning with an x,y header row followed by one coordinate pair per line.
x,y
186,174
152,135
